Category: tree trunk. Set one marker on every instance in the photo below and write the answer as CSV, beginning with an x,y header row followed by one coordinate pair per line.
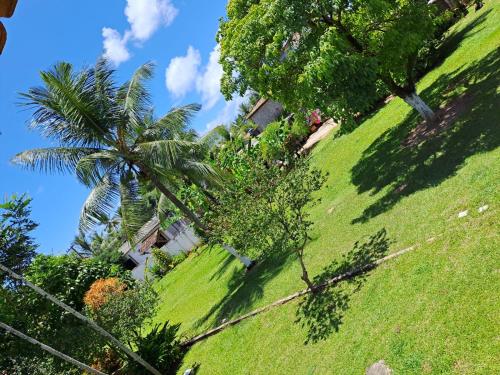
x,y
243,259
171,196
84,319
420,106
305,274
52,351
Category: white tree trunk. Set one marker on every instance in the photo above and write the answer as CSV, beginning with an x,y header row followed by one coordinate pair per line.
x,y
243,259
420,106
83,318
52,351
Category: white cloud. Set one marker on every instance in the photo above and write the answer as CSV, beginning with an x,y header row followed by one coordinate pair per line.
x,y
228,113
146,16
182,72
115,47
208,83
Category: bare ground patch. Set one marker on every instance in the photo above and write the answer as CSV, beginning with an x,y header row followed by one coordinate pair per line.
x,y
445,117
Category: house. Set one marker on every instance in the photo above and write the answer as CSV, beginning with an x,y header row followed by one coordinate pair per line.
x,y
264,112
7,8
178,237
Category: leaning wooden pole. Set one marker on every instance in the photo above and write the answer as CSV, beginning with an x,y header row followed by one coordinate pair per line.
x,y
85,319
51,350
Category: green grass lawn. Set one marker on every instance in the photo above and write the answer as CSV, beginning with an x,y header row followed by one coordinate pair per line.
x,y
435,310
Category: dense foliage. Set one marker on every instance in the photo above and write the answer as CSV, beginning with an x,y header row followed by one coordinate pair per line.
x,y
161,348
67,278
101,291
281,140
125,313
164,262
332,55
17,247
264,210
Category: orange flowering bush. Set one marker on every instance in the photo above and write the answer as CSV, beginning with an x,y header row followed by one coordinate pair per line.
x,y
101,291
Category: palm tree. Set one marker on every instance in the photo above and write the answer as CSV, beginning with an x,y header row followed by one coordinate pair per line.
x,y
107,135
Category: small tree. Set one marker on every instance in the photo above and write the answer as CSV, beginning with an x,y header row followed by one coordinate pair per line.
x,y
122,312
17,247
327,54
293,195
265,209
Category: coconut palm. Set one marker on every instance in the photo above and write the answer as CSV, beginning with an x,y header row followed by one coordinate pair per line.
x,y
108,135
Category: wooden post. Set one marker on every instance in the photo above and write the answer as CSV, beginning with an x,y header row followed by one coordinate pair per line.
x,y
90,322
52,351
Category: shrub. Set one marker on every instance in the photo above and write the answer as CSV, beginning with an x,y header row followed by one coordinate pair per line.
x,y
273,141
108,361
160,348
124,314
281,140
179,258
101,291
162,262
299,129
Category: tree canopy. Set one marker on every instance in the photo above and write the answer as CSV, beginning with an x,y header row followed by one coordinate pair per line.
x,y
327,54
17,247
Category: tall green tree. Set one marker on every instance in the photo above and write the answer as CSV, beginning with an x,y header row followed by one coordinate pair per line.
x,y
327,54
17,247
109,137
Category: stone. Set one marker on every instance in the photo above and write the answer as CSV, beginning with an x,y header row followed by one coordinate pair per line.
x,y
379,368
463,213
483,208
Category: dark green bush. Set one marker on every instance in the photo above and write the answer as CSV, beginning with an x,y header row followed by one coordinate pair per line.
x,y
162,263
161,349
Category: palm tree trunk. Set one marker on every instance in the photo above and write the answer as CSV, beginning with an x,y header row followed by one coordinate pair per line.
x,y
51,350
171,196
84,319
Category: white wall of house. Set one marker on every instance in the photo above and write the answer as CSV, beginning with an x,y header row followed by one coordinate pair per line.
x,y
141,259
267,113
184,240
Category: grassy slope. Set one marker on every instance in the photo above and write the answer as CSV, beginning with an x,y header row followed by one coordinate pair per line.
x,y
435,310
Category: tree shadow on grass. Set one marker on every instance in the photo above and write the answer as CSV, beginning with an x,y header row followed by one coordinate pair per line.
x,y
454,39
322,312
413,155
223,267
244,289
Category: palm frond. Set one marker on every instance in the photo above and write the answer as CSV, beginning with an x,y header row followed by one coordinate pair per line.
x,y
134,213
165,153
100,202
90,169
173,125
201,172
105,89
65,107
53,159
133,96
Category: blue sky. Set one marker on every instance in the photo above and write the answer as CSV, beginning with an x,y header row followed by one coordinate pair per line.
x,y
178,35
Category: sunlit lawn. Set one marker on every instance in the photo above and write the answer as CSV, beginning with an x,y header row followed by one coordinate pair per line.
x,y
435,310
